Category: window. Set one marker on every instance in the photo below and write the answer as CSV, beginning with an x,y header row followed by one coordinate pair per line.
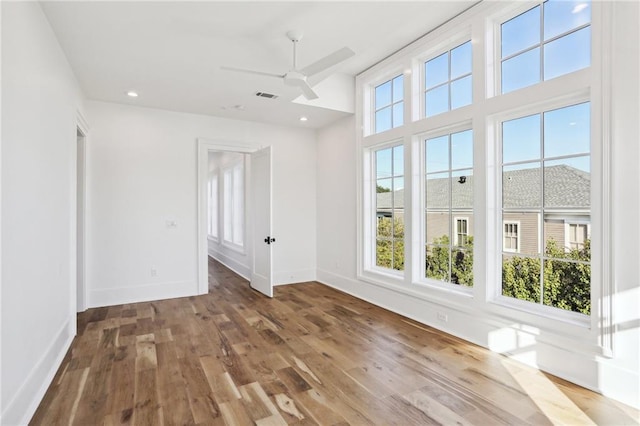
x,y
510,237
213,206
462,232
546,181
546,41
389,205
233,200
493,208
389,104
578,235
449,193
447,80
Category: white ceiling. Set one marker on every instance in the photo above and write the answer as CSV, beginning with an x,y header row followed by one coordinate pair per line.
x,y
171,52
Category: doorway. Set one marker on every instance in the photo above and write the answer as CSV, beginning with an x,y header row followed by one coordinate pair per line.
x,y
81,148
257,247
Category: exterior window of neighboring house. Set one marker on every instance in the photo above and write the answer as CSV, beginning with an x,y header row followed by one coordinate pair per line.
x,y
578,236
449,193
389,170
510,237
546,41
546,175
213,206
462,232
447,80
389,104
233,201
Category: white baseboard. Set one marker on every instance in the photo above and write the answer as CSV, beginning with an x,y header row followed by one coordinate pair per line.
x,y
237,267
293,276
141,293
570,363
24,403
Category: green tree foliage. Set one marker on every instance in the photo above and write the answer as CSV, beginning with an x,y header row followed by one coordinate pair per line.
x,y
566,273
390,248
437,261
567,284
380,189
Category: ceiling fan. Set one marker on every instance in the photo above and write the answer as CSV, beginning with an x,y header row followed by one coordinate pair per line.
x,y
298,77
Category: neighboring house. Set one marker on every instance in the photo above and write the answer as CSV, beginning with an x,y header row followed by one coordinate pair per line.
x,y
565,209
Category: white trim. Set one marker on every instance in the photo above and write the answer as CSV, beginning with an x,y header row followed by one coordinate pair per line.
x,y
213,225
140,293
22,406
489,108
243,270
80,301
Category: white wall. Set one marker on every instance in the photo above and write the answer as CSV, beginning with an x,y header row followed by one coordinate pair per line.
x,y
617,377
238,260
40,101
142,173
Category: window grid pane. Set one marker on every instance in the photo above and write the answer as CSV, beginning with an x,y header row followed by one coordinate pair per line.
x,y
545,42
447,80
549,262
389,104
449,209
389,208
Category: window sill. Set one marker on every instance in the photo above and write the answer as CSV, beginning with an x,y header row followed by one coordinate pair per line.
x,y
515,307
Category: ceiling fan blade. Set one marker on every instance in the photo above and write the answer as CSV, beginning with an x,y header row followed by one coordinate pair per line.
x,y
328,61
267,74
307,91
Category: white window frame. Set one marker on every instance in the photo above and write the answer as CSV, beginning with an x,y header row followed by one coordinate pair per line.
x,y
371,217
229,206
510,13
420,278
436,53
213,207
373,102
488,109
511,222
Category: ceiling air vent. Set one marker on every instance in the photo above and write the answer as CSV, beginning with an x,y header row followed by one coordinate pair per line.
x,y
266,95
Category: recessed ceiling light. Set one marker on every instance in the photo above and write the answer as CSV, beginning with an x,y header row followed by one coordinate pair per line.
x,y
132,94
303,118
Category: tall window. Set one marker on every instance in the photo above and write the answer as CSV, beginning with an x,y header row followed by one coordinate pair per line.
x,y
389,104
389,168
447,80
546,181
449,193
233,179
546,41
213,205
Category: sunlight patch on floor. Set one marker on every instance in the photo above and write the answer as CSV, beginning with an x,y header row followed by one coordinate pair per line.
x,y
555,405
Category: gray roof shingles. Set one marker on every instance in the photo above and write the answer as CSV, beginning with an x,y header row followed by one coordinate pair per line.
x,y
565,187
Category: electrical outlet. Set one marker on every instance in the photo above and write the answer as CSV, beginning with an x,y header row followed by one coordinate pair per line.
x,y
154,272
442,317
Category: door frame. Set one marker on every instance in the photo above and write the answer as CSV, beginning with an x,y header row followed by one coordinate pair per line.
x,y
79,260
204,146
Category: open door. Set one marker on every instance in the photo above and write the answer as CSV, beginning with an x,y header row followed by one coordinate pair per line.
x,y
261,274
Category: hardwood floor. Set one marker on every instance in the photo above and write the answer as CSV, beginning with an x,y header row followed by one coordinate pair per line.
x,y
310,355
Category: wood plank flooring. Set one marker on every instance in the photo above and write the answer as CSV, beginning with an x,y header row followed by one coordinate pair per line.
x,y
311,355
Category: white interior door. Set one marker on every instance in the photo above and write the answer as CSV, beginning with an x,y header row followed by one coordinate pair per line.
x,y
261,273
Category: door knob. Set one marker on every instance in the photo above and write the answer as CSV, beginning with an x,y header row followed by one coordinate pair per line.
x,y
269,240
